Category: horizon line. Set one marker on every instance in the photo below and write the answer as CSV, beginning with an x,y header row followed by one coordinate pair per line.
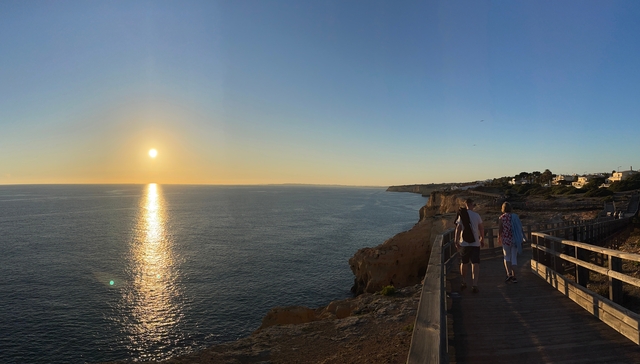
x,y
195,184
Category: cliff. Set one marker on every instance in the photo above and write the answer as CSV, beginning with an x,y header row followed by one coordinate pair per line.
x,y
402,260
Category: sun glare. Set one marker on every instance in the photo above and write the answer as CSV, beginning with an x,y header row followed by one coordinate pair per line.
x,y
153,153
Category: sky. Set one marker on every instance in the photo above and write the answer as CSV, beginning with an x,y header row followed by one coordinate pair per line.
x,y
365,93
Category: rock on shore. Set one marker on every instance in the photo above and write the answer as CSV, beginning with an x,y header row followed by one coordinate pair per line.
x,y
370,328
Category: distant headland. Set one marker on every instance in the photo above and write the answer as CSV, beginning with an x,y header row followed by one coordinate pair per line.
x,y
425,190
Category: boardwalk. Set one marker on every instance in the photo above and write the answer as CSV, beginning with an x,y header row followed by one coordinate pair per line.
x,y
527,322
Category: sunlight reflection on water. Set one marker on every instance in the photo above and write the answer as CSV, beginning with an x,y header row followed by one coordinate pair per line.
x,y
153,299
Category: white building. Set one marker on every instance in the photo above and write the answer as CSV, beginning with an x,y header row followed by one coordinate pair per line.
x,y
581,182
620,176
563,179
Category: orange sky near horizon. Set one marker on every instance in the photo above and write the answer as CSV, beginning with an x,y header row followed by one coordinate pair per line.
x,y
112,148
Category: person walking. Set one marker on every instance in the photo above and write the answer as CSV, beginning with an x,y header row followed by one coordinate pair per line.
x,y
510,236
469,237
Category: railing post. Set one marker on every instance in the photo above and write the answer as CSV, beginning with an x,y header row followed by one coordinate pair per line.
x,y
493,241
546,257
582,274
615,286
558,263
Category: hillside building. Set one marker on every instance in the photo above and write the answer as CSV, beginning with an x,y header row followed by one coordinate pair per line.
x,y
563,179
621,175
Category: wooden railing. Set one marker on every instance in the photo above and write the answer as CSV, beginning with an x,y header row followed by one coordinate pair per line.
x,y
493,249
429,339
555,258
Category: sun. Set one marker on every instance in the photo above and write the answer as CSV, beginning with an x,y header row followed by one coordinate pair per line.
x,y
153,153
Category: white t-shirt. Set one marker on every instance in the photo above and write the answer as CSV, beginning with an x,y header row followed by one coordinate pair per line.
x,y
475,220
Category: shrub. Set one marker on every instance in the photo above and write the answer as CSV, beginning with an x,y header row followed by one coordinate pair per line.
x,y
559,190
525,188
388,291
631,183
538,191
600,192
574,191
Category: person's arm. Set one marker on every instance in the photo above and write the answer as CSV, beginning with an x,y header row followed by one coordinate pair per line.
x,y
481,229
456,236
500,231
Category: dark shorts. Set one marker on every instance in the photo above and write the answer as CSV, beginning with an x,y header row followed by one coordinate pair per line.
x,y
469,253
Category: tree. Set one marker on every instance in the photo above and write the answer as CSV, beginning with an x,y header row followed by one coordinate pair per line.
x,y
524,176
536,176
546,176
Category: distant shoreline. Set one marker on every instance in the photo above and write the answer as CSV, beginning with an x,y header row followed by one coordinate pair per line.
x,y
423,189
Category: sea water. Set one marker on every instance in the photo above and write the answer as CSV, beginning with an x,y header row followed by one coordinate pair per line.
x,y
92,273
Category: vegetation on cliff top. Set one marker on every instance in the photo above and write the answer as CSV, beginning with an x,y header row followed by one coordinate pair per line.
x,y
538,184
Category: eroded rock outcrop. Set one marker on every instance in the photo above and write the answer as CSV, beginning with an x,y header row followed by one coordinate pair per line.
x,y
335,310
288,315
377,330
402,260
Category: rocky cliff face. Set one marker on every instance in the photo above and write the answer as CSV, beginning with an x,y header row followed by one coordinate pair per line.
x,y
402,260
444,202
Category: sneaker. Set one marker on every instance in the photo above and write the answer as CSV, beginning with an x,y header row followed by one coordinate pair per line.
x,y
507,279
514,280
475,289
463,286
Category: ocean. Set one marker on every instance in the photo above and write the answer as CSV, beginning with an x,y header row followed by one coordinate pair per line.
x,y
94,273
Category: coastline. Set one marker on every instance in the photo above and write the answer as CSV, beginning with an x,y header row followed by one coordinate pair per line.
x,y
370,327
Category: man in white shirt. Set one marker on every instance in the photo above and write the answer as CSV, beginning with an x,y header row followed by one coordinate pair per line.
x,y
469,237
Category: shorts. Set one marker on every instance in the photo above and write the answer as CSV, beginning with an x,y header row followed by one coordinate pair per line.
x,y
510,254
469,253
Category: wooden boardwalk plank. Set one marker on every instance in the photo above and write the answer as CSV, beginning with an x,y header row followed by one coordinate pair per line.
x,y
526,322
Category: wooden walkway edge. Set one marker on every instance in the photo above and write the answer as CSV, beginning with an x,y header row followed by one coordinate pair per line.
x,y
526,322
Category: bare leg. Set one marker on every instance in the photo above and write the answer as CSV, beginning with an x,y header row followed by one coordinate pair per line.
x,y
475,273
464,268
508,268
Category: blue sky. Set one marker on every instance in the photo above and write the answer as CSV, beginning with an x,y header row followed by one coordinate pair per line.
x,y
326,92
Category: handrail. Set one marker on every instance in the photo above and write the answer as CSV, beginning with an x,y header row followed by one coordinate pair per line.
x,y
589,247
552,255
431,323
429,339
613,273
